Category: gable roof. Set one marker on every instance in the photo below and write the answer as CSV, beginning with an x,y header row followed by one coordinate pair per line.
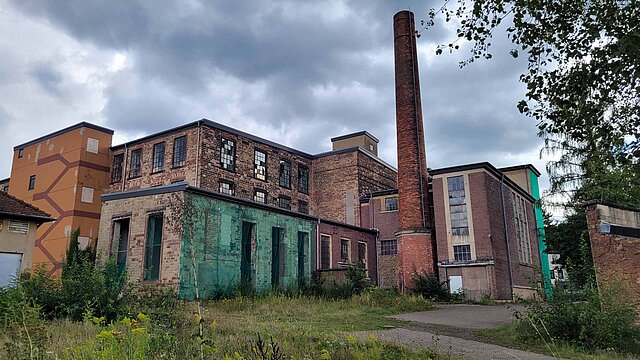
x,y
11,207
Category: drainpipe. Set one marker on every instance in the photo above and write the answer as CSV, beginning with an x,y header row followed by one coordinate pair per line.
x,y
197,179
318,248
506,235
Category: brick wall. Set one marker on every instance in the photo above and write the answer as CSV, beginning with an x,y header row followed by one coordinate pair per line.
x,y
335,178
137,210
373,216
616,257
169,174
338,232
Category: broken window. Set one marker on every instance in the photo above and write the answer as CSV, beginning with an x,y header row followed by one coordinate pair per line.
x,y
260,196
362,253
277,256
284,202
135,168
116,169
260,165
32,182
285,174
303,179
121,239
344,250
457,206
18,226
462,253
325,251
303,207
228,154
179,151
391,204
227,187
153,248
389,247
158,157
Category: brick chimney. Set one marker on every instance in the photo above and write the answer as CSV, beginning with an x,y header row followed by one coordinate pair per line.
x,y
415,248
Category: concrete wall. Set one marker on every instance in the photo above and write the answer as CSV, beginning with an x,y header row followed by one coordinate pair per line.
x,y
216,226
614,233
15,243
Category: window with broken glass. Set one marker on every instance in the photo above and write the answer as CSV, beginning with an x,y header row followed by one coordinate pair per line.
x,y
260,165
457,206
260,196
462,253
391,204
179,151
135,168
228,154
285,174
303,207
303,179
389,247
227,187
116,168
284,202
344,250
158,157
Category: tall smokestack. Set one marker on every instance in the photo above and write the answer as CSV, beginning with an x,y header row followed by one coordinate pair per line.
x,y
415,249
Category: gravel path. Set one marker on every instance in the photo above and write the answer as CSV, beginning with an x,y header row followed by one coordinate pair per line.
x,y
454,347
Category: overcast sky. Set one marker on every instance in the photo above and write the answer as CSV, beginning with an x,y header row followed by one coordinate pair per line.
x,y
295,72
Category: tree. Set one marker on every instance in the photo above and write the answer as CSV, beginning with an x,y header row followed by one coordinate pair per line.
x,y
583,76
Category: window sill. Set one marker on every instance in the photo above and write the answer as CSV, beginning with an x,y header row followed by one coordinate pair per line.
x,y
134,177
229,170
178,166
388,211
157,172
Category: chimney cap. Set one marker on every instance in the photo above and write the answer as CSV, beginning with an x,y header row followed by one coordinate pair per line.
x,y
355,134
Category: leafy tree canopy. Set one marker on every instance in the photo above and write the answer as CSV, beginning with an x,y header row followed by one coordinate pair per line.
x,y
583,76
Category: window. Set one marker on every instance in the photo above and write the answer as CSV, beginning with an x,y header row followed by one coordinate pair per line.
x,y
93,145
18,226
135,168
303,179
325,251
87,195
116,170
179,151
5,188
522,229
285,174
227,187
228,154
457,206
246,256
389,247
303,250
260,165
158,157
121,240
32,182
284,202
260,196
278,254
462,253
391,204
153,248
303,207
20,153
344,250
362,252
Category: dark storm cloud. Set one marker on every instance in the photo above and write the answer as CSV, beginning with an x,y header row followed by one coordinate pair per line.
x,y
48,78
303,70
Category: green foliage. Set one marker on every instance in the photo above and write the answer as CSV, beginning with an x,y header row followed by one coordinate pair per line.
x,y
20,320
600,320
430,287
355,283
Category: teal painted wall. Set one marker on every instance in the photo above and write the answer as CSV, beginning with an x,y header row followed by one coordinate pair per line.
x,y
216,228
544,257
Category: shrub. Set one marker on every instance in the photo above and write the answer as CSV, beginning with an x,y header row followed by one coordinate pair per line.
x,y
430,287
603,320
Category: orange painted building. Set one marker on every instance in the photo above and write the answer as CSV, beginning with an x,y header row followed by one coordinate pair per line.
x,y
63,174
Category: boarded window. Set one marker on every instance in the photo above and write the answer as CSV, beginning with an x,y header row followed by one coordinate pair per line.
x,y
389,247
303,179
158,157
87,195
246,256
116,169
325,251
153,249
179,151
285,174
9,267
303,245
457,206
135,168
391,204
93,145
260,196
462,253
228,154
260,165
18,226
344,250
277,256
32,182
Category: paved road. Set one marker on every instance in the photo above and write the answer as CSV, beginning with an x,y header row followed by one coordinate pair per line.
x,y
466,316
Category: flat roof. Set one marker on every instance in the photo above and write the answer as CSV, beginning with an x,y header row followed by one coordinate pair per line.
x,y
65,130
359,133
521,167
183,186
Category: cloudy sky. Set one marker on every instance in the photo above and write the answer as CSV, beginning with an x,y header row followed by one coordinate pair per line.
x,y
295,72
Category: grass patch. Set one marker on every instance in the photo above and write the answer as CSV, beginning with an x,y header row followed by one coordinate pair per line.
x,y
510,336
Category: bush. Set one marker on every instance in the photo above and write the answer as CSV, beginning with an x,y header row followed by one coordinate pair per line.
x,y
603,320
430,287
354,284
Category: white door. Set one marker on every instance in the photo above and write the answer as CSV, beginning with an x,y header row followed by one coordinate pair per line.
x,y
9,268
455,283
